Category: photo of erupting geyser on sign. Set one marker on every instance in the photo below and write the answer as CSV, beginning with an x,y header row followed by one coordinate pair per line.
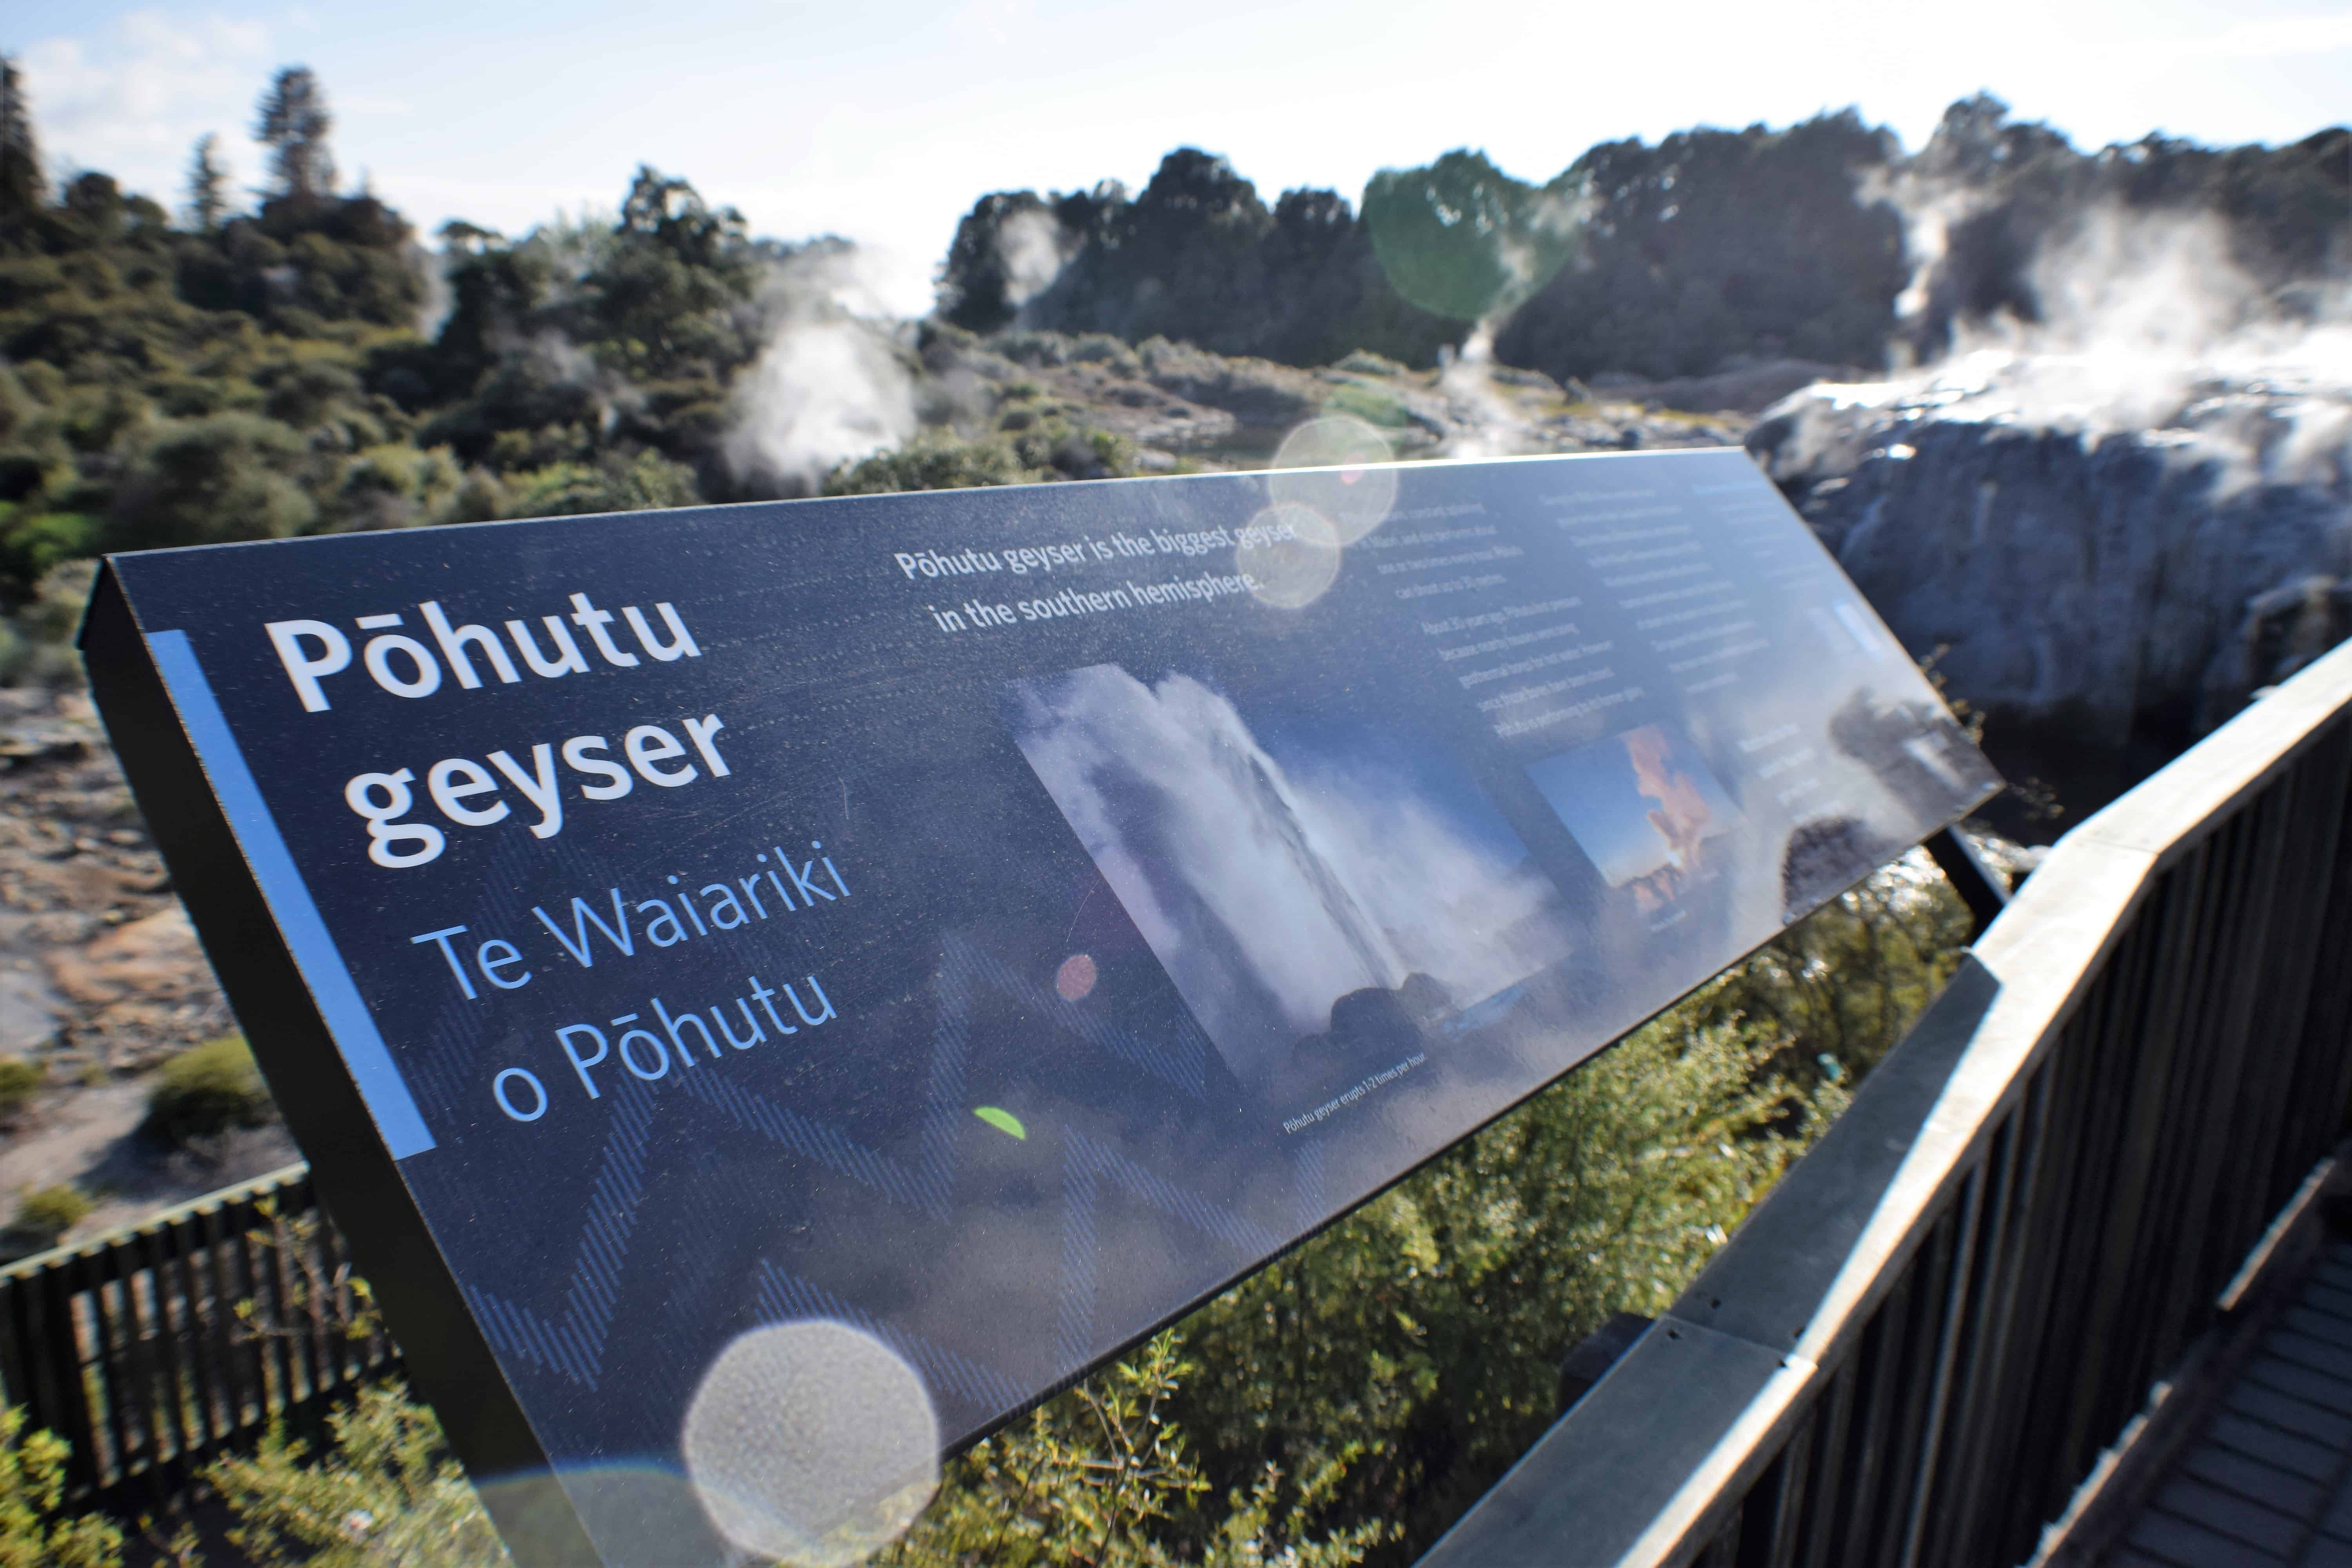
x,y
1326,889
1644,809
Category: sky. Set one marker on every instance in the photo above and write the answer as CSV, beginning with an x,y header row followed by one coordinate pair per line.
x,y
884,120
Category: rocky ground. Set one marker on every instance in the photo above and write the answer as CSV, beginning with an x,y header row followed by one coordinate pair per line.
x,y
101,977
2113,543
1183,407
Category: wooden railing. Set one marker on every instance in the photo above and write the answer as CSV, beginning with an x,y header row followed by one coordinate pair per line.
x,y
131,1347
1918,1346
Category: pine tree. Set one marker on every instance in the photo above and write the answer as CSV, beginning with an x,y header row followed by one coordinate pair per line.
x,y
21,185
294,121
207,186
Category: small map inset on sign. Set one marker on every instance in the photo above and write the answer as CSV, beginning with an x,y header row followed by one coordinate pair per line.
x,y
1642,805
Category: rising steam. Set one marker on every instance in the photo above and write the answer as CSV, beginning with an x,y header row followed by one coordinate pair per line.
x,y
2143,322
833,385
2120,497
1033,249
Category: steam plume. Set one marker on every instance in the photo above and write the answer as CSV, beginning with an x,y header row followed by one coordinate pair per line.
x,y
830,386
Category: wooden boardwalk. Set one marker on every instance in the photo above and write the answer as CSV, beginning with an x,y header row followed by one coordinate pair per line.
x,y
2268,1482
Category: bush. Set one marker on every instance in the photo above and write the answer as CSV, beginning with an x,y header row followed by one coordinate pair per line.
x,y
32,1483
387,1492
1035,448
19,1081
647,483
393,485
34,542
207,1091
1099,1476
47,1213
37,644
212,480
1358,1391
934,465
1394,1366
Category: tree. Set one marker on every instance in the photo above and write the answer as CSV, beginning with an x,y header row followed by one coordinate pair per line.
x,y
294,120
1463,240
1006,248
20,155
661,302
207,186
1718,244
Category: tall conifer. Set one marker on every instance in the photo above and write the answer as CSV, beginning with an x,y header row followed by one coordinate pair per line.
x,y
294,121
21,185
207,186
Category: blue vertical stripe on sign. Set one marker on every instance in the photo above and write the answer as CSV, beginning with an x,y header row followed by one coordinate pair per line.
x,y
380,1083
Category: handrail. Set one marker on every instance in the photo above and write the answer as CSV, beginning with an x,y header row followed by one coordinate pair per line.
x,y
1919,1344
261,1187
129,1345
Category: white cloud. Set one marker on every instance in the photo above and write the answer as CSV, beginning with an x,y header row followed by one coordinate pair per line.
x,y
130,101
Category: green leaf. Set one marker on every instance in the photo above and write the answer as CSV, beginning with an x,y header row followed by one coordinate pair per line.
x,y
1003,1120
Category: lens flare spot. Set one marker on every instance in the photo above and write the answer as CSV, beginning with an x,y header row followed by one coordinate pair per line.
x,y
1340,467
1076,978
1292,558
812,1443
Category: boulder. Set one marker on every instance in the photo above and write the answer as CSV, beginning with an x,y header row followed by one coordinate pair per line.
x,y
2074,569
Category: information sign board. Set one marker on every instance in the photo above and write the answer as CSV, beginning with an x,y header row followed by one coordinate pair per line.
x,y
990,920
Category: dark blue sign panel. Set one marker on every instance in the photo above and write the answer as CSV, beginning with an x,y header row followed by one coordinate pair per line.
x,y
994,919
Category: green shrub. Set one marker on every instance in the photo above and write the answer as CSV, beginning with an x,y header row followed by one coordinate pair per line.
x,y
1360,1391
1399,1362
1099,1474
19,1081
32,1483
387,1492
209,1090
934,464
47,1213
1038,446
33,541
393,485
37,644
647,483
212,480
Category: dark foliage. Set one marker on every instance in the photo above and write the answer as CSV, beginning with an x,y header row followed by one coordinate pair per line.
x,y
1197,257
293,122
1711,251
1466,241
251,373
207,186
255,374
1715,246
20,153
2286,213
577,344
